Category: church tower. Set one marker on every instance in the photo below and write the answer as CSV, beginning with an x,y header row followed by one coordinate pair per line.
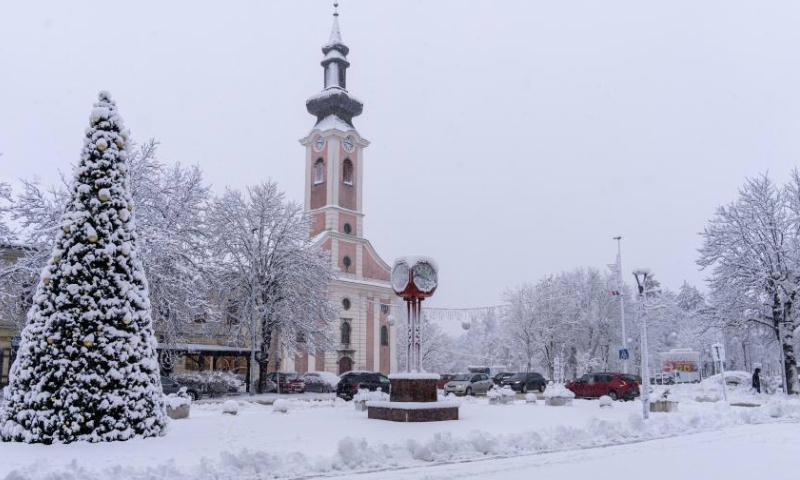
x,y
334,179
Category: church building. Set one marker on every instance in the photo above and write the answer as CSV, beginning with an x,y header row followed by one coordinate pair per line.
x,y
334,180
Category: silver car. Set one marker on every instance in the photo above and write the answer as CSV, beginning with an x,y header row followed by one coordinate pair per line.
x,y
469,384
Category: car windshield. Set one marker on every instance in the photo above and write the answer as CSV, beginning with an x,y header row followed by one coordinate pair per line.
x,y
462,377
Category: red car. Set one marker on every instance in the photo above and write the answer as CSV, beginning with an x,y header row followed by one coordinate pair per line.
x,y
288,382
615,385
443,379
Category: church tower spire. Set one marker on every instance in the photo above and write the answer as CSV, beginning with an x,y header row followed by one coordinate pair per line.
x,y
334,99
334,164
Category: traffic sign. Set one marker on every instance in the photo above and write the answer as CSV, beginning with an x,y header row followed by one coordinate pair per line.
x,y
623,354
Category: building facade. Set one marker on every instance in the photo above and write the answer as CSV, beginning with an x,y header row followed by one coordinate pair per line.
x,y
334,180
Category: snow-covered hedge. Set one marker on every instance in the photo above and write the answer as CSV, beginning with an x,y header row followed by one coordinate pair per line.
x,y
214,383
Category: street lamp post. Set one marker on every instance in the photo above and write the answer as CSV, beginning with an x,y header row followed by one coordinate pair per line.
x,y
642,275
621,305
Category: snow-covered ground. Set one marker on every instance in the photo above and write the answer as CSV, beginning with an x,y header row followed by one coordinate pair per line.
x,y
329,437
737,453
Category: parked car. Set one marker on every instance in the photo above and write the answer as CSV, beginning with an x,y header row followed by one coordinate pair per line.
x,y
287,382
443,379
525,382
321,382
171,386
502,377
352,382
615,385
469,384
662,379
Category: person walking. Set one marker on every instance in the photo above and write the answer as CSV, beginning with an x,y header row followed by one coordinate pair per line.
x,y
757,380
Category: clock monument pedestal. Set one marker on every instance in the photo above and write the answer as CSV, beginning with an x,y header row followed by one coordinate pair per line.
x,y
413,395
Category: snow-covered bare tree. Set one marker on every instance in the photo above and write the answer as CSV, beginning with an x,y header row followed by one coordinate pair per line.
x,y
6,233
751,247
171,216
37,213
87,366
170,220
264,254
520,325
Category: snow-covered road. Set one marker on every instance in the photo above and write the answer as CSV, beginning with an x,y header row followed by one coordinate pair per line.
x,y
748,452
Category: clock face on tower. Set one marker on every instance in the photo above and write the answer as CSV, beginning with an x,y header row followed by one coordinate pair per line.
x,y
348,143
319,142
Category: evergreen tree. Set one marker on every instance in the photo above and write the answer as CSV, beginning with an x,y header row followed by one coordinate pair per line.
x,y
87,366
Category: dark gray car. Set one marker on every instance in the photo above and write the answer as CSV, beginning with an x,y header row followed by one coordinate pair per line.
x,y
171,386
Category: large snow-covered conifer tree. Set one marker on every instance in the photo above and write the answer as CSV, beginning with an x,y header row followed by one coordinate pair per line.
x,y
87,367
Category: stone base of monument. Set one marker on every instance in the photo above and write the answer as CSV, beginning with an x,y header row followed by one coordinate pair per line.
x,y
412,411
413,398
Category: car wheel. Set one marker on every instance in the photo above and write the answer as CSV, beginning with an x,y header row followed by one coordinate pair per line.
x,y
468,392
541,388
525,388
613,395
193,395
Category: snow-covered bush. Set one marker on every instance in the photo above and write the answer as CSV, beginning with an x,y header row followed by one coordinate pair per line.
x,y
365,395
178,404
87,367
503,395
557,395
230,407
530,398
665,395
558,390
213,383
606,402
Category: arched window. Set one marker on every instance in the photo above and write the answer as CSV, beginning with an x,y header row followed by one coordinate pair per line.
x,y
347,172
345,333
384,336
346,262
319,171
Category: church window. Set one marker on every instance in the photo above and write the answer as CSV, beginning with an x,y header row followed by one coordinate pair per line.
x,y
348,229
346,303
384,336
319,172
345,332
346,262
347,172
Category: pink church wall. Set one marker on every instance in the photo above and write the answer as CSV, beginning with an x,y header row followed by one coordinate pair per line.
x,y
347,249
347,193
372,269
319,191
346,218
317,223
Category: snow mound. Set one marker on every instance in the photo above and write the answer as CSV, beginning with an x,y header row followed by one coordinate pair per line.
x,y
280,406
231,407
606,402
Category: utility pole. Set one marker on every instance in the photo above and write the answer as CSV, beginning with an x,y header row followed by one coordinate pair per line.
x,y
621,303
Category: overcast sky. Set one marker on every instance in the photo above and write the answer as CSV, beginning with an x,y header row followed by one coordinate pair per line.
x,y
510,139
